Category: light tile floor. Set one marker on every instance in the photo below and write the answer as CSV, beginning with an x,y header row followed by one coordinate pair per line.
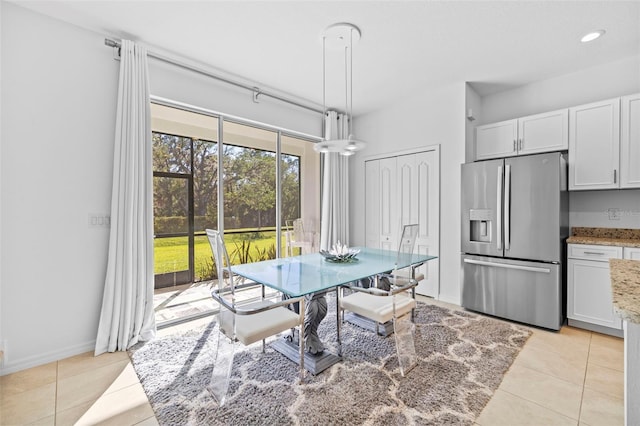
x,y
172,304
572,377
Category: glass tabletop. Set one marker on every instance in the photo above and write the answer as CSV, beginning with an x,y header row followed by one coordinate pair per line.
x,y
310,273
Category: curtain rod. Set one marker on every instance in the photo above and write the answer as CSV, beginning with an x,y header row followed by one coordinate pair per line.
x,y
255,90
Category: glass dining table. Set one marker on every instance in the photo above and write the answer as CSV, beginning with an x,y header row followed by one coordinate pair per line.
x,y
312,275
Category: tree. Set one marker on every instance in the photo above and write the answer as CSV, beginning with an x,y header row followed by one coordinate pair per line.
x,y
250,183
290,184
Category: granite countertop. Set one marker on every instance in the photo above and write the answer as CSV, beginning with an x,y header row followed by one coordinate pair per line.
x,y
622,237
625,284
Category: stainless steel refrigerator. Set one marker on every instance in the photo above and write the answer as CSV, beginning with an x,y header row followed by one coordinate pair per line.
x,y
515,221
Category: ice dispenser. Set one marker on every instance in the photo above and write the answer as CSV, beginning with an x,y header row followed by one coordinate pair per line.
x,y
480,225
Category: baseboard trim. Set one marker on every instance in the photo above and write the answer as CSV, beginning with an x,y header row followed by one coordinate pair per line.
x,y
13,366
595,327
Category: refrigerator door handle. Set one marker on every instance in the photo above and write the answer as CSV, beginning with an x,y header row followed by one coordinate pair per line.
x,y
499,210
507,266
507,207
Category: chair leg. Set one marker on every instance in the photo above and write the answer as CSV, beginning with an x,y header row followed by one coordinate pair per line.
x,y
413,296
378,328
221,373
405,347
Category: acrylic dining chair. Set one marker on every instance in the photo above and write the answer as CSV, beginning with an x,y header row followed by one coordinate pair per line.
x,y
245,322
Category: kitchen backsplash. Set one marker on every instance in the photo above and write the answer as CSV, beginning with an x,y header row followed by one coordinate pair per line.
x,y
605,209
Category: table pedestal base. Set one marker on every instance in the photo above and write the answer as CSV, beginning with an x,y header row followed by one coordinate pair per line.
x,y
314,364
369,324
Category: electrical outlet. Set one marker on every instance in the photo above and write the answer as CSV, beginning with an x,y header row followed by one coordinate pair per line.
x,y
614,213
99,220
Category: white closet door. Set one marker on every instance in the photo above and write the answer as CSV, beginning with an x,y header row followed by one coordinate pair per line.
x,y
388,210
372,203
400,191
427,213
407,191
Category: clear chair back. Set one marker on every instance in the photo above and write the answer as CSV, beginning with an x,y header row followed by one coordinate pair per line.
x,y
298,230
407,244
225,348
403,326
226,281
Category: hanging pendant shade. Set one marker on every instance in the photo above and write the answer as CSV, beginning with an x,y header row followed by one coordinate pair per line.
x,y
344,146
341,36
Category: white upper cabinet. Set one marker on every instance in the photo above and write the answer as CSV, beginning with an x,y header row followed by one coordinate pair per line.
x,y
544,132
594,145
630,141
527,135
497,140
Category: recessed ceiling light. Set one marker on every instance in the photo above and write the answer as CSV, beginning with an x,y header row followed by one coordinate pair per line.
x,y
592,36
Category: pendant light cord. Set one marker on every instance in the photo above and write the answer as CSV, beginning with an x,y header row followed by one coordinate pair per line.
x,y
351,83
324,76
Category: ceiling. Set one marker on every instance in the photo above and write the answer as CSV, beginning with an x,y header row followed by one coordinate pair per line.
x,y
406,47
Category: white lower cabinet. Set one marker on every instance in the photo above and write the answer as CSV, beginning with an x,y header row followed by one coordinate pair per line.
x,y
632,253
589,296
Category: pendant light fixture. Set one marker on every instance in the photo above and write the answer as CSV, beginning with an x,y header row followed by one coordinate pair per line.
x,y
342,36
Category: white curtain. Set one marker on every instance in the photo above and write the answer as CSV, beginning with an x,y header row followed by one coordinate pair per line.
x,y
127,315
335,186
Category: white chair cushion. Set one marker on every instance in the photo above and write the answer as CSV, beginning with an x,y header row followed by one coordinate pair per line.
x,y
255,327
377,308
406,273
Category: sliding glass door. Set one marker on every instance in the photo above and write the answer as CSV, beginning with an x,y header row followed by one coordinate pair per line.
x,y
249,192
185,197
250,182
171,212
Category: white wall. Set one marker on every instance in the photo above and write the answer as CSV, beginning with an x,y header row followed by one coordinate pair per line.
x,y
59,87
474,106
58,113
589,85
427,118
179,84
1,133
587,208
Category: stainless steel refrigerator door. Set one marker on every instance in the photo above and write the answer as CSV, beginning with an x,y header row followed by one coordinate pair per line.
x,y
528,292
481,228
532,207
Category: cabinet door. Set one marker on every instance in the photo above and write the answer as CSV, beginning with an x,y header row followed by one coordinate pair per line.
x,y
594,252
632,253
544,132
589,297
496,140
630,142
594,145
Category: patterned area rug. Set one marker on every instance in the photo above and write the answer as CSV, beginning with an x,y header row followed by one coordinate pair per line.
x,y
462,359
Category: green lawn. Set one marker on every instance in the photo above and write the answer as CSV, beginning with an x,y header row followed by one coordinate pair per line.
x,y
171,254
